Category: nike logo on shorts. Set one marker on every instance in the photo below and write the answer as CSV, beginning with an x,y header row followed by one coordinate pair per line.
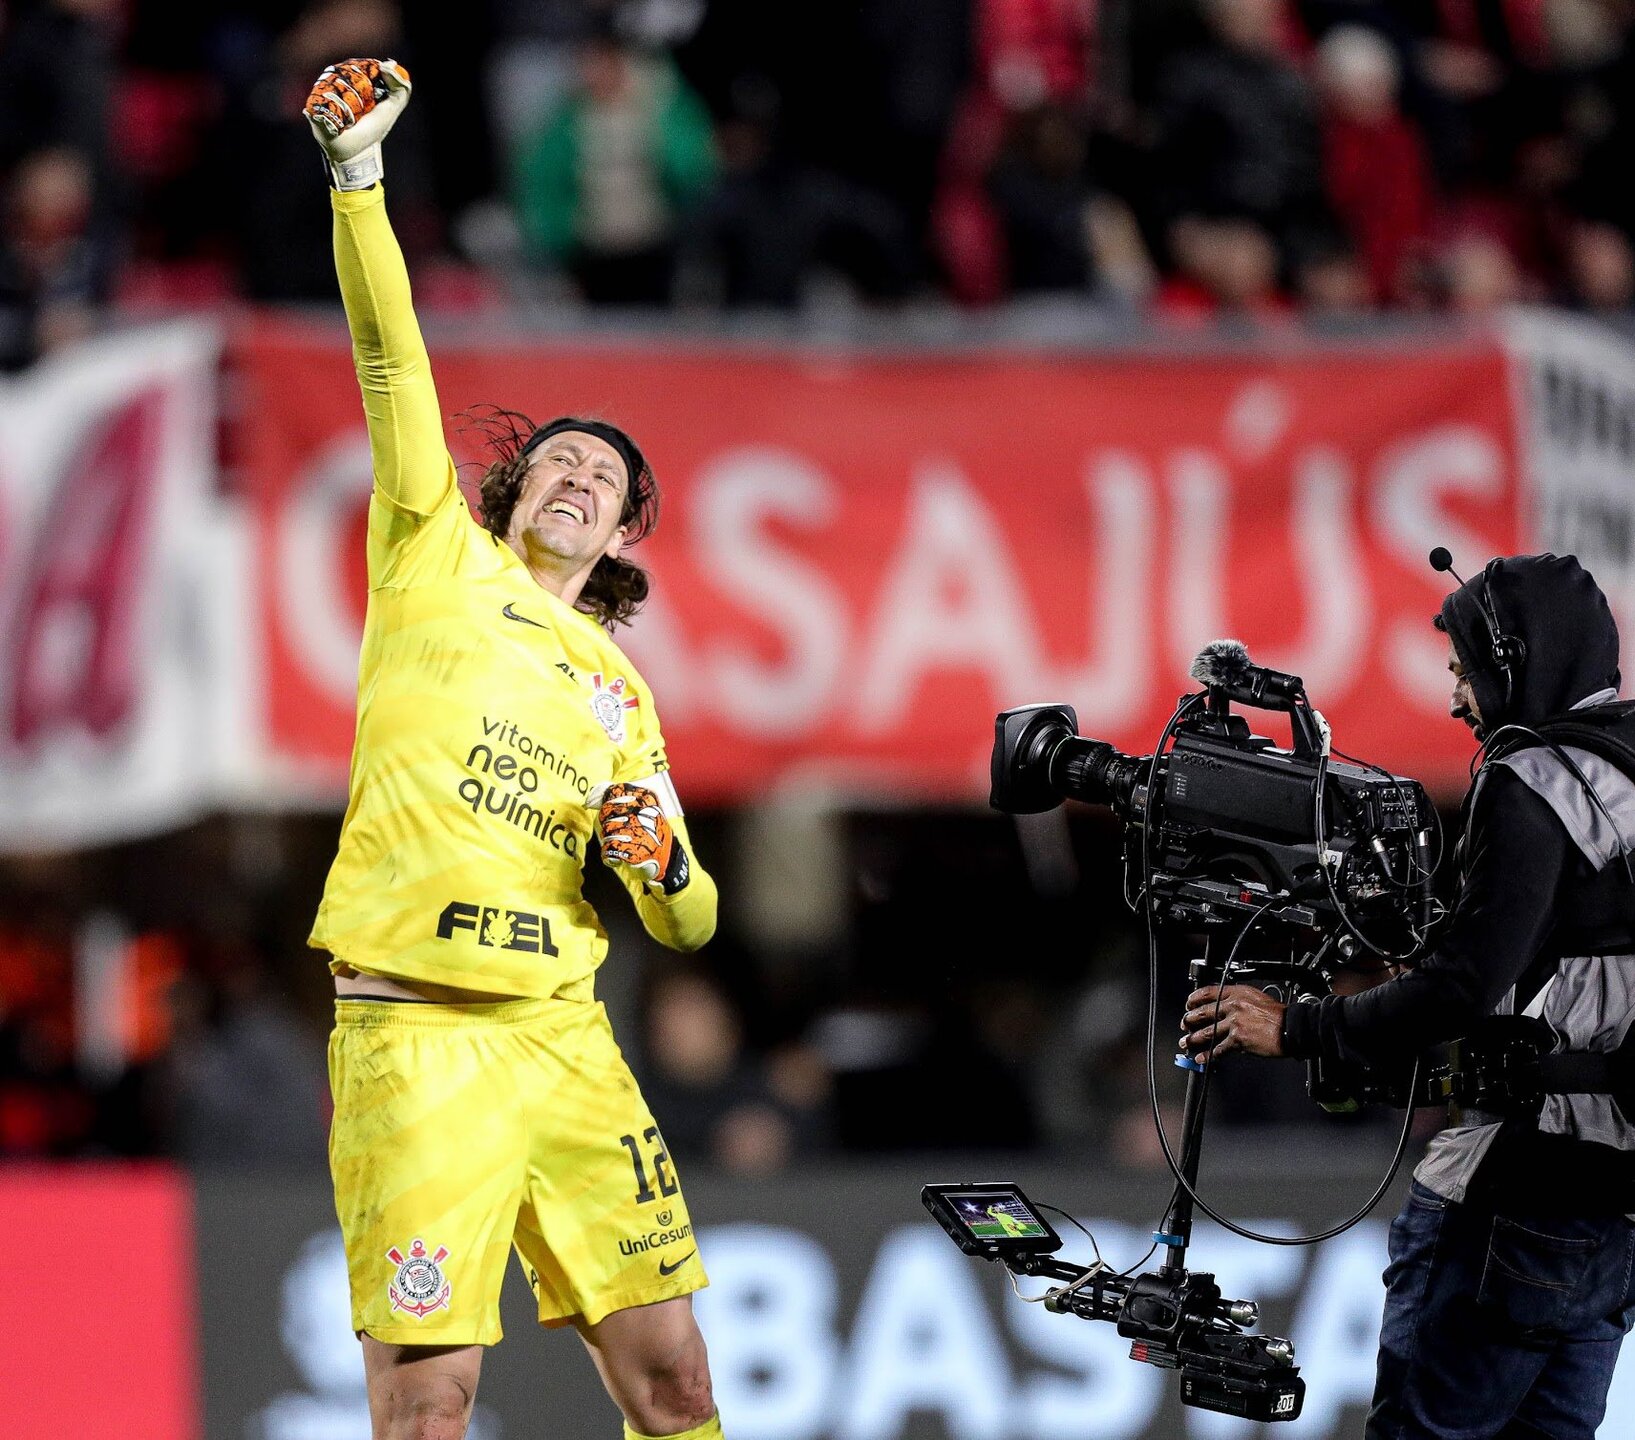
x,y
671,1269
511,614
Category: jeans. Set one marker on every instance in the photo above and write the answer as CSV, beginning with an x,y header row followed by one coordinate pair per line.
x,y
1500,1326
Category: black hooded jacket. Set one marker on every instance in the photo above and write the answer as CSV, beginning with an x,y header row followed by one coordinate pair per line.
x,y
1527,896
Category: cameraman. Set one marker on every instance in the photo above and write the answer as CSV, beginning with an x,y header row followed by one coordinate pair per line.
x,y
1511,1281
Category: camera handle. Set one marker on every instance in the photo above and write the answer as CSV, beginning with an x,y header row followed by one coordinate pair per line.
x,y
1175,1231
1305,727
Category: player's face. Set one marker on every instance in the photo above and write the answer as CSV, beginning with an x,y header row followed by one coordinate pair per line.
x,y
1463,705
572,498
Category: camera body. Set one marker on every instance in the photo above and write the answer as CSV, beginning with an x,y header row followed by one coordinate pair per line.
x,y
1226,825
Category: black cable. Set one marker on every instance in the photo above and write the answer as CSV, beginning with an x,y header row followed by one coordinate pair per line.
x,y
1188,704
1423,871
1077,1224
1320,837
1169,1155
1154,1246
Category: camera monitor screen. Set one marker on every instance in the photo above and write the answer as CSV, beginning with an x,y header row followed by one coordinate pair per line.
x,y
986,1219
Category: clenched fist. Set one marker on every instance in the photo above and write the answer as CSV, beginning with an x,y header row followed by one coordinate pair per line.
x,y
635,833
351,108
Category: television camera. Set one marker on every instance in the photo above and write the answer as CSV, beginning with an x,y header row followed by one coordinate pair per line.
x,y
1321,863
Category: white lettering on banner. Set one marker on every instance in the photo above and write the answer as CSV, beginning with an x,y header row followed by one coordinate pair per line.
x,y
736,494
1112,687
1412,481
1338,1327
1337,598
324,619
1257,419
768,1316
1200,493
951,601
1104,1395
924,1341
106,494
1246,1270
813,604
1339,602
657,644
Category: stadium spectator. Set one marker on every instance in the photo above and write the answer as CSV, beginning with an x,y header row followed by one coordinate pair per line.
x,y
1226,270
771,221
283,238
1377,173
45,1108
1238,137
718,1101
1332,287
1061,233
244,1082
1600,267
1033,51
53,265
1477,275
605,178
58,70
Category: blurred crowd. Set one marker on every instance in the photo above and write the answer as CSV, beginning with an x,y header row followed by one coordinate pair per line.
x,y
1258,162
967,985
1253,163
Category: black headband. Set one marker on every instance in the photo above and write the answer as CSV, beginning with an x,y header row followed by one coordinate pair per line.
x,y
634,464
641,494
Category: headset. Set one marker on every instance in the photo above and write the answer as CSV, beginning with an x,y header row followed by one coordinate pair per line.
x,y
1509,651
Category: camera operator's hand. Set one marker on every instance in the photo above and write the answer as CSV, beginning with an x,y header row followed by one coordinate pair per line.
x,y
1220,1018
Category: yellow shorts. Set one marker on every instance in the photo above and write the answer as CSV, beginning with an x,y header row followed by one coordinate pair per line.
x,y
461,1130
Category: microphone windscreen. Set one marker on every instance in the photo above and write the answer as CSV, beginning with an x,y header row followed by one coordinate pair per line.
x,y
1441,560
1222,662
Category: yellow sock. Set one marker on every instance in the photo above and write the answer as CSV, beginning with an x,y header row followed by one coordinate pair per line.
x,y
709,1430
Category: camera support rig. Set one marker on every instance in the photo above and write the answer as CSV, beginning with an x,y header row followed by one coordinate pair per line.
x,y
1229,835
1174,1318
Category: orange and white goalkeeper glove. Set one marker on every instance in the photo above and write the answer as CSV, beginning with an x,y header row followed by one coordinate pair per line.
x,y
636,833
350,110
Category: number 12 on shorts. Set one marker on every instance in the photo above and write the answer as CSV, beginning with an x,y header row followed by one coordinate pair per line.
x,y
661,1159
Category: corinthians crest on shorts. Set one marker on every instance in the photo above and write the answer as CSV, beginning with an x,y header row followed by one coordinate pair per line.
x,y
608,704
419,1286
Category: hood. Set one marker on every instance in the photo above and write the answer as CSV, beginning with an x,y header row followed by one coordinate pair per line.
x,y
1553,605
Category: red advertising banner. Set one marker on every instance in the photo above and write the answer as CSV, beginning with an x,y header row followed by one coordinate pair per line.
x,y
862,559
101,1291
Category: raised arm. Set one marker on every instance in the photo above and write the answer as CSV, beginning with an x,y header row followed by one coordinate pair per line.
x,y
351,108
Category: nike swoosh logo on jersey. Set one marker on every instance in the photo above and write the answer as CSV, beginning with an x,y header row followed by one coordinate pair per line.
x,y
511,614
671,1269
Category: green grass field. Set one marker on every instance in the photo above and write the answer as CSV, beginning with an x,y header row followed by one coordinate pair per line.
x,y
992,1230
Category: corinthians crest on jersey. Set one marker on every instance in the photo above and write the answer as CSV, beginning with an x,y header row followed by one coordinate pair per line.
x,y
419,1286
608,702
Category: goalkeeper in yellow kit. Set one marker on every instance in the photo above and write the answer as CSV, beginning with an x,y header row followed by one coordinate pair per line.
x,y
480,1100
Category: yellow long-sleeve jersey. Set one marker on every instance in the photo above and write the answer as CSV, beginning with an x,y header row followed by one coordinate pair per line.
x,y
487,709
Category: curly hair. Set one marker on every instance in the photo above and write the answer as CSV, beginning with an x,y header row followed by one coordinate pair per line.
x,y
615,589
